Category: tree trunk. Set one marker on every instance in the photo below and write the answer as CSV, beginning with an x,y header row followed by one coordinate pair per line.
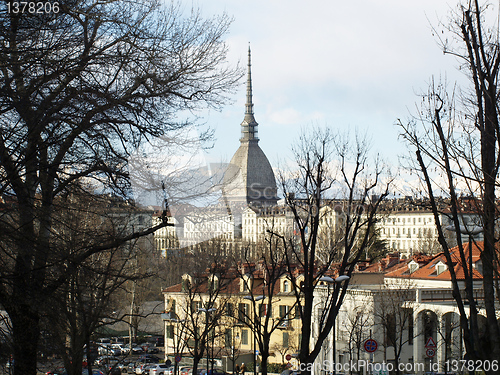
x,y
488,159
26,334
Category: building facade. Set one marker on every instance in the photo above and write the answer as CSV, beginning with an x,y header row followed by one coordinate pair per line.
x,y
407,307
240,310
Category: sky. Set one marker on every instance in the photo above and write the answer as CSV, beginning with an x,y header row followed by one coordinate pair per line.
x,y
350,65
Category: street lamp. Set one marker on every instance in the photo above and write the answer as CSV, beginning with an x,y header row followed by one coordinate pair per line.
x,y
255,315
329,280
207,312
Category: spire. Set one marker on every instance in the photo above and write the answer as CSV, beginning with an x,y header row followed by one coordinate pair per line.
x,y
249,125
249,104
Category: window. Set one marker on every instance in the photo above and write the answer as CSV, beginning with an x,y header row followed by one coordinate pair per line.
x,y
413,266
229,309
228,338
285,339
170,331
297,312
243,312
440,268
390,323
284,314
185,285
263,310
245,287
171,306
286,286
195,306
244,337
213,284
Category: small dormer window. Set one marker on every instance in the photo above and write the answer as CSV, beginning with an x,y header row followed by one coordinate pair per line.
x,y
186,284
440,268
286,286
413,266
213,283
245,284
479,266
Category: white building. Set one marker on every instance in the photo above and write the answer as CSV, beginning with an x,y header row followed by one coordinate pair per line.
x,y
406,306
409,226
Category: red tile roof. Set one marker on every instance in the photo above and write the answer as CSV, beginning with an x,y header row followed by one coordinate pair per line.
x,y
427,265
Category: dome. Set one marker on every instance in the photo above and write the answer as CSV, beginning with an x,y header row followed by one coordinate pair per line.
x,y
249,177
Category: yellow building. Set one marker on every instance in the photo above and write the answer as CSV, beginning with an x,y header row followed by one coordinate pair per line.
x,y
244,304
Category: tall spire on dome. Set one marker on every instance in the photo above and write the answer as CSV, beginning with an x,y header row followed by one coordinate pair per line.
x,y
249,125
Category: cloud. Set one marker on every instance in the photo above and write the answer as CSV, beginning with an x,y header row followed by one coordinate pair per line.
x,y
342,64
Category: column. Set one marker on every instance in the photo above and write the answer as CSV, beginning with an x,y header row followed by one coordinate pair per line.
x,y
418,342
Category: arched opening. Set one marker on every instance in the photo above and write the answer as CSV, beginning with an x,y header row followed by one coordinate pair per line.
x,y
429,330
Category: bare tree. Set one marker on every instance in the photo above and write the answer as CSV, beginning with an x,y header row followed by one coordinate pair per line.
x,y
357,322
456,142
81,87
202,305
448,331
306,193
263,284
86,301
394,314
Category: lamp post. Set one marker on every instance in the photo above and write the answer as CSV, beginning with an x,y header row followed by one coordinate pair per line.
x,y
329,280
207,312
255,316
470,232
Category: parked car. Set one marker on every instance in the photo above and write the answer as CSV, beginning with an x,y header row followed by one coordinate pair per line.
x,y
105,360
57,371
131,367
137,350
153,350
125,366
217,372
148,358
113,369
200,371
109,349
160,341
292,372
184,370
142,369
158,369
119,348
95,371
62,371
102,348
